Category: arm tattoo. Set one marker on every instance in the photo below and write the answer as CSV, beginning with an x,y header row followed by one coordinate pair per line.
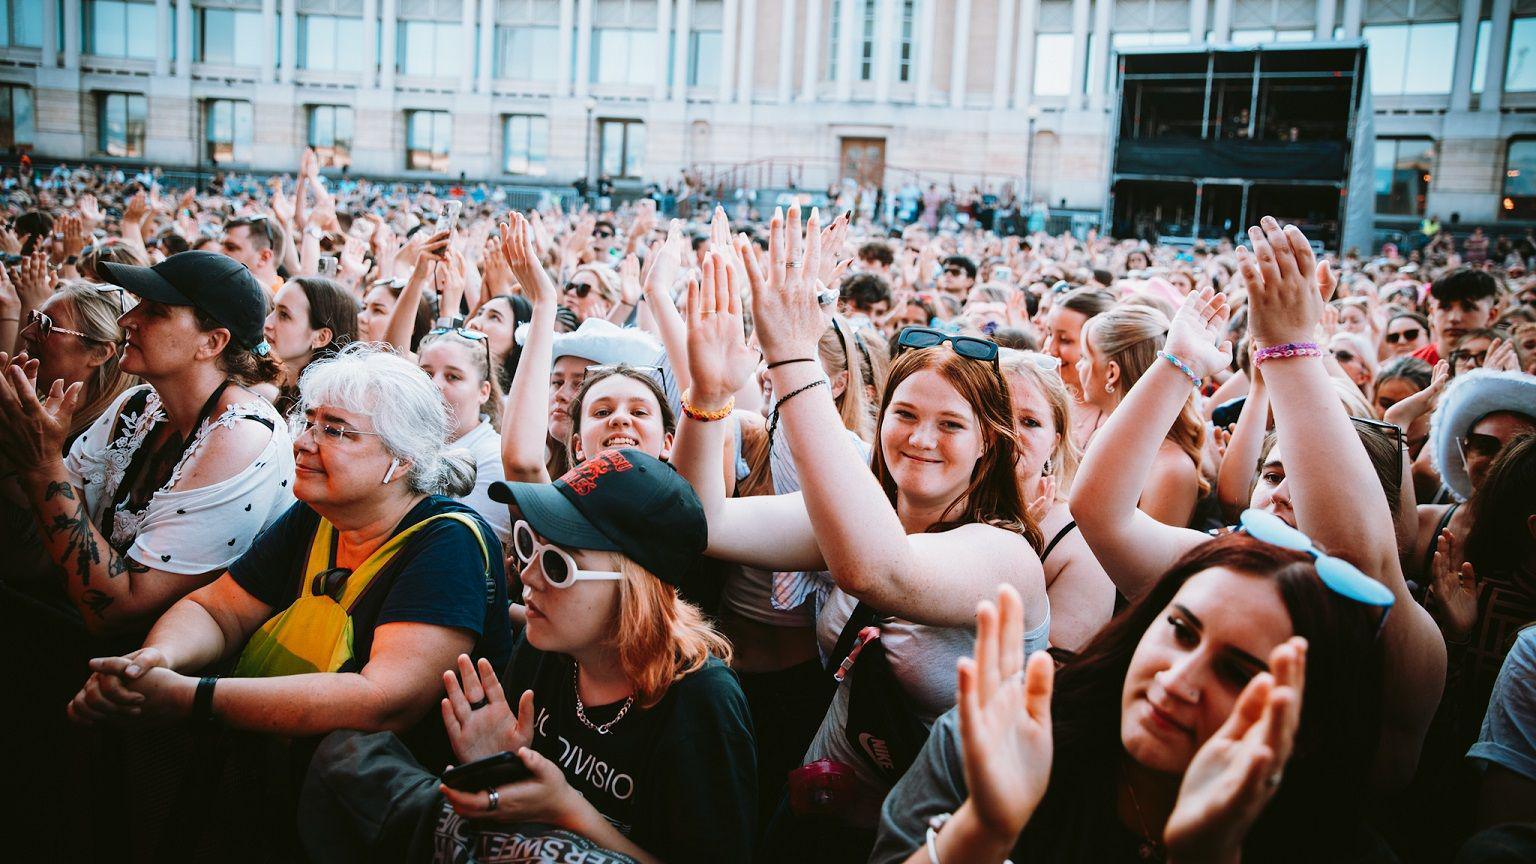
x,y
81,545
118,564
96,601
55,488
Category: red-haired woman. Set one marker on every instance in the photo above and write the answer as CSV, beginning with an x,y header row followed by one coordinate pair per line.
x,y
914,544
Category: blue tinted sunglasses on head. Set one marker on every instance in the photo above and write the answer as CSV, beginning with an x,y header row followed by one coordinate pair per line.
x,y
1341,577
965,346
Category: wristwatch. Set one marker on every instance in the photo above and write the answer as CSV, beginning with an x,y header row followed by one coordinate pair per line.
x,y
447,323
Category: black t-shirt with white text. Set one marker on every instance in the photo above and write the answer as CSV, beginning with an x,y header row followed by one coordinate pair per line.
x,y
679,779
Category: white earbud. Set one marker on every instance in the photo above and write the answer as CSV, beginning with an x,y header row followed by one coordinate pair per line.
x,y
390,474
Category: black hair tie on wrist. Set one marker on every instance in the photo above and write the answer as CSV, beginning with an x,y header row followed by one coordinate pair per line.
x,y
773,420
779,363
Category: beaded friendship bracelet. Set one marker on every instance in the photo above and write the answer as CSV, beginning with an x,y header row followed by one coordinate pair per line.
x,y
1181,366
1289,349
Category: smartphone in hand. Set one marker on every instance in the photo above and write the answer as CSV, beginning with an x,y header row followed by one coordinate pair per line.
x,y
328,266
448,219
488,773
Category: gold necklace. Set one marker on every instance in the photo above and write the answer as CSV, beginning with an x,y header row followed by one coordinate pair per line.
x,y
1149,849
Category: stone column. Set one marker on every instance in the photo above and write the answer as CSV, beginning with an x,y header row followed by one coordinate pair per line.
x,y
850,30
1351,20
1498,56
1327,10
663,39
681,41
959,56
1004,55
1197,12
729,45
183,38
1221,21
1098,72
786,88
290,36
1024,58
1080,12
467,40
388,51
268,39
583,46
887,41
811,73
746,51
1466,49
72,34
487,69
370,44
924,64
50,34
163,38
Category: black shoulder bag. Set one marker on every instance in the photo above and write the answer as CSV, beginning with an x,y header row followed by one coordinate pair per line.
x,y
881,723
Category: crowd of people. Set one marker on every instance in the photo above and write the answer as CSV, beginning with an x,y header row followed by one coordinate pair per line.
x,y
359,523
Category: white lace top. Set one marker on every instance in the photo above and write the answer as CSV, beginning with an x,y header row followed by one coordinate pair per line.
x,y
193,531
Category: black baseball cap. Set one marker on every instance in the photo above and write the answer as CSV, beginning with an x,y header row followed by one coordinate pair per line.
x,y
618,501
217,284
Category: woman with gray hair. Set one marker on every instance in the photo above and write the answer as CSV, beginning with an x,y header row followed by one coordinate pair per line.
x,y
420,575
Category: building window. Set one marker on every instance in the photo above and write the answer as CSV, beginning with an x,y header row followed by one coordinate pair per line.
x,y
622,56
527,53
21,25
1411,59
328,43
330,134
431,49
120,125
1053,64
428,137
17,121
623,147
905,58
227,131
1520,71
1519,199
229,37
114,28
864,49
704,58
1403,169
867,43
525,144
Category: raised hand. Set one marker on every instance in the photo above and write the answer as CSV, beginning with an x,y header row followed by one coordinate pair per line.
x,y
1454,589
34,281
73,229
353,265
629,280
1236,773
523,260
1196,333
1502,357
497,276
89,209
478,732
34,429
719,361
664,262
1288,287
1041,506
1005,719
831,244
787,319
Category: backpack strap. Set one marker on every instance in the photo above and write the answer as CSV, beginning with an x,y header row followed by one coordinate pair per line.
x,y
362,577
322,551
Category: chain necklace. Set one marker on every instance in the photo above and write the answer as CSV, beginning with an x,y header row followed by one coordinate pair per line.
x,y
581,710
1149,849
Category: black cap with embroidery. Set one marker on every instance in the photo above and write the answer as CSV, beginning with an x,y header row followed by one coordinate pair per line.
x,y
618,501
218,285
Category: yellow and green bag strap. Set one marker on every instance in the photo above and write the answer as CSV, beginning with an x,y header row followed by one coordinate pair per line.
x,y
362,577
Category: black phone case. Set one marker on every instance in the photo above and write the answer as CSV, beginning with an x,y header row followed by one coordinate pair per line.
x,y
488,773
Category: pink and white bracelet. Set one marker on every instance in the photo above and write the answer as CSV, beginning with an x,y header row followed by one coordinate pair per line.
x,y
1289,349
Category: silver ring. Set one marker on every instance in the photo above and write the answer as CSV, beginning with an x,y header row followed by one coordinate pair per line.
x,y
793,265
495,799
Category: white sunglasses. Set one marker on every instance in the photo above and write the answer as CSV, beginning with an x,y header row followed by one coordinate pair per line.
x,y
559,567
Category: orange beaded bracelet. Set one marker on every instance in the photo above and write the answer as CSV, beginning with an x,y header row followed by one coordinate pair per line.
x,y
708,416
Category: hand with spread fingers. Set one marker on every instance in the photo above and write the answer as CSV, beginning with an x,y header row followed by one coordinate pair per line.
x,y
719,361
523,260
1455,591
787,318
1005,719
1237,772
1197,333
479,719
1288,288
32,430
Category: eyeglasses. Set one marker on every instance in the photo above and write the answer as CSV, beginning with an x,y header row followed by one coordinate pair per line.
x,y
1340,576
603,233
1473,444
471,335
330,582
1343,355
559,567
954,271
966,346
1472,358
580,289
46,327
1409,335
298,424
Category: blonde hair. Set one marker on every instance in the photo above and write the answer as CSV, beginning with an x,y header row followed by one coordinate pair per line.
x,y
839,354
1131,337
1066,456
660,638
480,358
607,280
96,314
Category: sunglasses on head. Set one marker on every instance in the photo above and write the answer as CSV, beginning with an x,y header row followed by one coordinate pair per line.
x,y
471,335
966,346
1409,335
559,567
1338,575
605,368
1392,429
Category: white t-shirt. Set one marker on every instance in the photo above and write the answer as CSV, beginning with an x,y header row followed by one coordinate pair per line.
x,y
193,531
484,442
